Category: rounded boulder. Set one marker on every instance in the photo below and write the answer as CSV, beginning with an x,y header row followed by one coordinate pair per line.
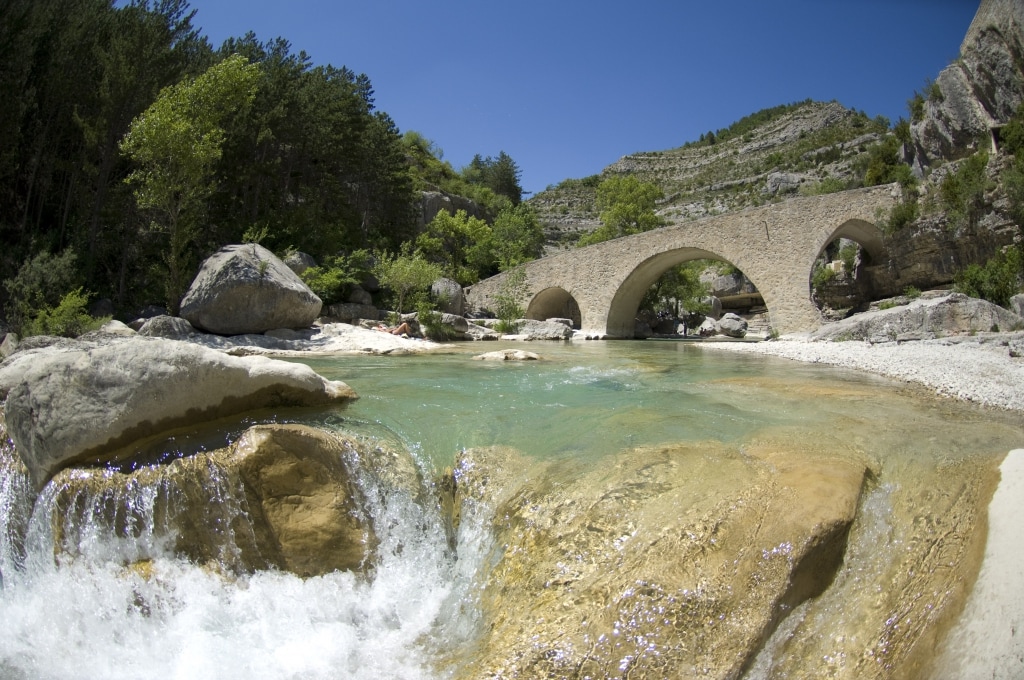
x,y
247,289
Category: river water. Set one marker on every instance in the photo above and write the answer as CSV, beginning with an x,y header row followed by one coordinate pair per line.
x,y
93,617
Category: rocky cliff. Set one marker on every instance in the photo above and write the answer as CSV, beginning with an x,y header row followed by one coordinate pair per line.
x,y
977,93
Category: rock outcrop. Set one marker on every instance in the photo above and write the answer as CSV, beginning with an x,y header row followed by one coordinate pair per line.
x,y
978,92
171,327
529,329
247,289
85,401
925,318
731,325
507,355
433,202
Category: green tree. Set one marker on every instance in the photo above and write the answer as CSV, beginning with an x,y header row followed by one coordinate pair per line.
x,y
510,299
174,145
40,284
405,274
884,165
627,207
518,236
500,175
678,289
463,245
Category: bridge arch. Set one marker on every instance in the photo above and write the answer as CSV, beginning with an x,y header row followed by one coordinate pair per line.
x,y
554,302
627,298
867,234
774,245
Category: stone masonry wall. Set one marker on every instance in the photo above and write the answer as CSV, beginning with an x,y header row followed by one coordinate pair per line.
x,y
774,245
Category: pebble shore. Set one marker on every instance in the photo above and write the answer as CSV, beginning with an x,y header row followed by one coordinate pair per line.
x,y
972,369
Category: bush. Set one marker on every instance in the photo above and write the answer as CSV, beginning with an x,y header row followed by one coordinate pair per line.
x,y
903,213
39,285
430,323
68,319
332,280
995,281
509,300
963,192
848,254
829,185
822,276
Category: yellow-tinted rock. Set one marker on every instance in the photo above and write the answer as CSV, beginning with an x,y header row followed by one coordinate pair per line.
x,y
282,496
674,561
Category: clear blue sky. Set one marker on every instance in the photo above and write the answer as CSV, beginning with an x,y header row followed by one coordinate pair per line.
x,y
568,87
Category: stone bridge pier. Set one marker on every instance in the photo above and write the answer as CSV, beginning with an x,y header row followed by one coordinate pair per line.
x,y
600,287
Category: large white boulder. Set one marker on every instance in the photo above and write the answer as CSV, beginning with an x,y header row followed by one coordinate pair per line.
x,y
86,401
247,289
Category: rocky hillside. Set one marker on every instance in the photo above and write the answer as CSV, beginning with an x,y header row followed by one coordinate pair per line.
x,y
813,147
808,147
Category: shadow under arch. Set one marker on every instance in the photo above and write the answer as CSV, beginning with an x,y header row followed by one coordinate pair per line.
x,y
867,235
626,302
553,303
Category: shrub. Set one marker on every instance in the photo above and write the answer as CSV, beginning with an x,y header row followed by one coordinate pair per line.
x,y
430,323
39,284
912,292
822,276
903,213
963,192
332,280
829,185
848,254
995,281
508,301
68,319
915,105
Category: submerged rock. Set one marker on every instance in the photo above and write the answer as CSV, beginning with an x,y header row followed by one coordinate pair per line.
x,y
84,401
507,355
663,562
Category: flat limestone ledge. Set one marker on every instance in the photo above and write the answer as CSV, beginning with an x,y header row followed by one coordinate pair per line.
x,y
986,642
978,372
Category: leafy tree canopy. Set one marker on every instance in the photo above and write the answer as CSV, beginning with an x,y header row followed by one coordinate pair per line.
x,y
175,144
405,274
518,236
461,244
627,207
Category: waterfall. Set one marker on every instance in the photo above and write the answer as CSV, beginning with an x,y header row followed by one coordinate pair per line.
x,y
93,580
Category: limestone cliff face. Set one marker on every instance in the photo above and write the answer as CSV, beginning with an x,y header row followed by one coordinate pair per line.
x,y
979,91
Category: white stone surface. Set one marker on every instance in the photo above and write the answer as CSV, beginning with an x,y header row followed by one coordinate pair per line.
x,y
988,642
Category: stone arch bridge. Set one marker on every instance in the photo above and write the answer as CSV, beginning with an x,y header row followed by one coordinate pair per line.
x,y
600,287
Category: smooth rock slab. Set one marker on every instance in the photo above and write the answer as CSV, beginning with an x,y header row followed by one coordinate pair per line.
x,y
82,401
672,561
923,318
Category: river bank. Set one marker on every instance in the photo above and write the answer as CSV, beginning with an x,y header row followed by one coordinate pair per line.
x,y
977,369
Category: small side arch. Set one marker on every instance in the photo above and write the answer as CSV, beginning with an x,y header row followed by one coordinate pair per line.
x,y
869,236
553,303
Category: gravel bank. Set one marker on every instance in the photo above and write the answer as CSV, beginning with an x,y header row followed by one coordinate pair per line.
x,y
974,369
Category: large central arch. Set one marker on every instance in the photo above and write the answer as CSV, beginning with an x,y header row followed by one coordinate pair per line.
x,y
775,246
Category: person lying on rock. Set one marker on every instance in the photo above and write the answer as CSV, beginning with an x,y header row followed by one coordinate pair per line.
x,y
402,329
